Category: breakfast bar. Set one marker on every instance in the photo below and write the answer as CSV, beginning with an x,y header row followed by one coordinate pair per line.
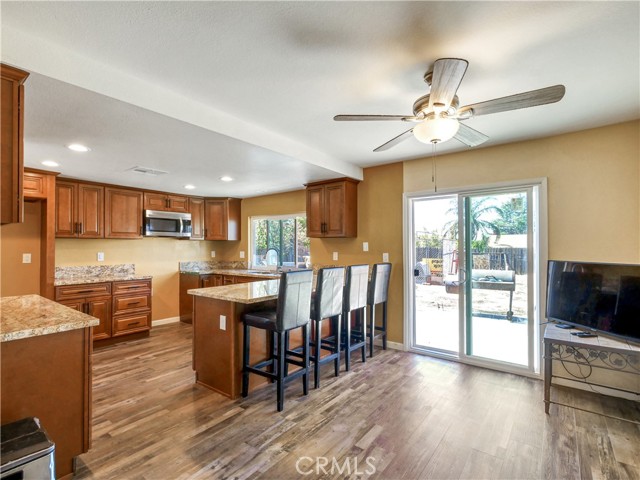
x,y
217,333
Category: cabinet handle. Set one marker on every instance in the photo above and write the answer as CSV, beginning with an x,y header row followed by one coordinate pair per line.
x,y
140,230
86,291
80,230
132,324
133,303
205,233
75,228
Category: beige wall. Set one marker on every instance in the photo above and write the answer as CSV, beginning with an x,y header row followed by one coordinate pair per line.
x,y
158,257
17,278
593,186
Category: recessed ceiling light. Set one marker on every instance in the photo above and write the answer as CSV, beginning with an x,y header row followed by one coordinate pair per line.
x,y
50,163
190,187
226,179
76,147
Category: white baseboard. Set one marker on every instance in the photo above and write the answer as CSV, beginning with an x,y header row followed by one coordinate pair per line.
x,y
165,321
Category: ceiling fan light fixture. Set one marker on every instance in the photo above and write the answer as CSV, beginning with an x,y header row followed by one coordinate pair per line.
x,y
436,129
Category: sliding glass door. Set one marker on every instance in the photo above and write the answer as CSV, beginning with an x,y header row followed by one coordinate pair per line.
x,y
474,266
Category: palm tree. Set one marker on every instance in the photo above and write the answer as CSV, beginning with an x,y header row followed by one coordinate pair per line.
x,y
481,228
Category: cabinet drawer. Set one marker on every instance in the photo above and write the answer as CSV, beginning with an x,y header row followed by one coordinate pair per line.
x,y
130,302
131,286
131,323
84,291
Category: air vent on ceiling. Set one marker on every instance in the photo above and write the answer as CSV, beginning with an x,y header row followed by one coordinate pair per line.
x,y
147,171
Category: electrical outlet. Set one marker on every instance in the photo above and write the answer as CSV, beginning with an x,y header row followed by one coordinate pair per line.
x,y
223,322
101,256
241,253
365,246
335,256
26,258
385,257
213,254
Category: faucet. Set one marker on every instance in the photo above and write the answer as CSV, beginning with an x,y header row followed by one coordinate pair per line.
x,y
271,258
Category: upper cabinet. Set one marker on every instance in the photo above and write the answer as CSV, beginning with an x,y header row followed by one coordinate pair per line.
x,y
222,219
332,208
166,202
11,131
123,213
79,210
196,207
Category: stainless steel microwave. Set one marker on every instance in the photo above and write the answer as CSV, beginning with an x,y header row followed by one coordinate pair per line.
x,y
167,224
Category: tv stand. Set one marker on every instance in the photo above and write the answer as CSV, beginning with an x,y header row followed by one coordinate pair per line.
x,y
587,354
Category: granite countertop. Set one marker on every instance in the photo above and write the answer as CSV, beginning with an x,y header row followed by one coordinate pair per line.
x,y
246,293
32,316
58,282
238,272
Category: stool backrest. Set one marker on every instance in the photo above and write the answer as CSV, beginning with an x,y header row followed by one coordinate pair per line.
x,y
328,301
355,287
379,286
294,299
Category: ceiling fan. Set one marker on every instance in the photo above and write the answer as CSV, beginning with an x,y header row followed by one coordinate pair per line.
x,y
439,116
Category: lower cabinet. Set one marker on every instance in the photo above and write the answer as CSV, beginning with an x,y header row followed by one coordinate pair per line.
x,y
123,307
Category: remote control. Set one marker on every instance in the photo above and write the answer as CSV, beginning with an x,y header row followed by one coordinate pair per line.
x,y
586,335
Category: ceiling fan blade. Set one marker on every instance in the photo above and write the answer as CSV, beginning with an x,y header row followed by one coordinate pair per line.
x,y
394,141
445,80
542,96
469,136
351,118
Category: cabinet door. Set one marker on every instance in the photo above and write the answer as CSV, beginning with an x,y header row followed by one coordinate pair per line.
x,y
75,304
35,185
66,208
11,145
315,211
123,213
90,211
178,203
101,309
334,208
207,281
196,207
155,201
215,220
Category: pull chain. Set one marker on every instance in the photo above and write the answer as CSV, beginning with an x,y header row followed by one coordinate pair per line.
x,y
434,172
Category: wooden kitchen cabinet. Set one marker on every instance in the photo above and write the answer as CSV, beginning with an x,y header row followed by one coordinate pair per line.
x,y
131,307
166,202
222,219
196,207
93,299
35,185
123,213
332,209
12,143
79,210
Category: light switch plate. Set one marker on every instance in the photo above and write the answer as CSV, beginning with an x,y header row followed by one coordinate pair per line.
x,y
223,322
26,258
213,254
365,246
385,257
241,253
335,256
101,256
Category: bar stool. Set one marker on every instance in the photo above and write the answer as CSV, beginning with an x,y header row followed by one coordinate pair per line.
x,y
327,303
355,298
378,293
292,311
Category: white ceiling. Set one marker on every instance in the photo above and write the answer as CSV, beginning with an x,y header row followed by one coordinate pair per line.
x,y
249,89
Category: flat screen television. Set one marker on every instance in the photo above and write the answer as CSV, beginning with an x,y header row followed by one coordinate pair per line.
x,y
602,297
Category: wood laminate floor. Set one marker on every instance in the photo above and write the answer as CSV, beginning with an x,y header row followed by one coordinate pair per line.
x,y
399,415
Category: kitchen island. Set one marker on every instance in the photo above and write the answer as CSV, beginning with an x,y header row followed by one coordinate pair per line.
x,y
217,333
46,372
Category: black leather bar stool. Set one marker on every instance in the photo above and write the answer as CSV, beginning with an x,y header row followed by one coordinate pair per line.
x,y
378,294
293,311
327,303
355,298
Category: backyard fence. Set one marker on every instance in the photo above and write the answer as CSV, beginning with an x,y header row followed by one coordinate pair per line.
x,y
493,259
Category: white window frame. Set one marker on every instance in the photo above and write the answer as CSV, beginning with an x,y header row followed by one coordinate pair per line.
x,y
268,217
